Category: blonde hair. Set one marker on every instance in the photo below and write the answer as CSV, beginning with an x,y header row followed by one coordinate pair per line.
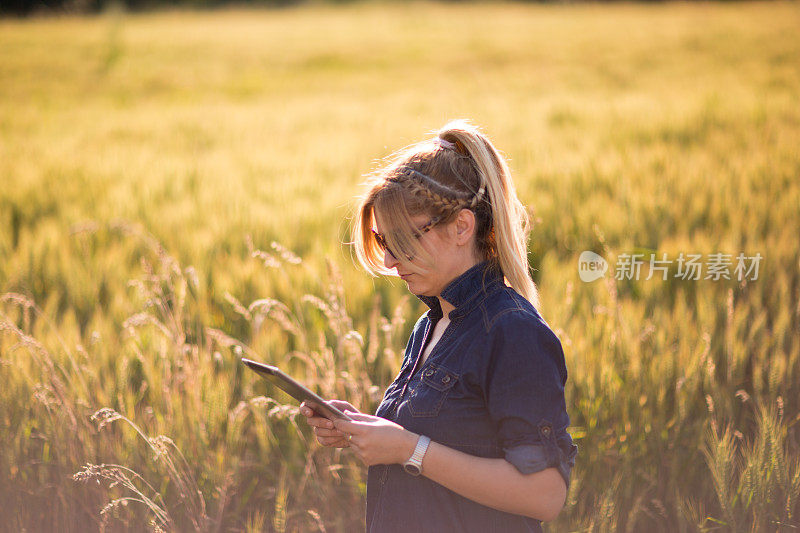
x,y
458,169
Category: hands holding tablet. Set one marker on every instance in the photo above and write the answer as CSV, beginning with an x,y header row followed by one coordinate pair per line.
x,y
339,424
373,439
325,431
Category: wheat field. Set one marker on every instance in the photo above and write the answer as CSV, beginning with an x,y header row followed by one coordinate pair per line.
x,y
176,189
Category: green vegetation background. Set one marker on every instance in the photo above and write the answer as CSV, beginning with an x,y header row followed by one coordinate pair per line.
x,y
149,162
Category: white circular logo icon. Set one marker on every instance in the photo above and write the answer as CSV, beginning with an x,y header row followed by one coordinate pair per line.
x,y
591,266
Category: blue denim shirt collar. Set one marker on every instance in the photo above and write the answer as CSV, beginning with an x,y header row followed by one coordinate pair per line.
x,y
466,291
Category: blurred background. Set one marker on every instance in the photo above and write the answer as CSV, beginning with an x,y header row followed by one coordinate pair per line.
x,y
176,190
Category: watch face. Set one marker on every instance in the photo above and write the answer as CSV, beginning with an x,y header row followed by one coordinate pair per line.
x,y
414,470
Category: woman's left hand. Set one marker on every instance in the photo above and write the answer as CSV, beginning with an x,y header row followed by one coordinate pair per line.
x,y
377,441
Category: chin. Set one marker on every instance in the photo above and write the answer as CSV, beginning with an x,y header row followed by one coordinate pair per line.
x,y
413,288
423,292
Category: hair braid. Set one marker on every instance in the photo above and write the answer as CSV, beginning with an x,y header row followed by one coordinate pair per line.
x,y
412,180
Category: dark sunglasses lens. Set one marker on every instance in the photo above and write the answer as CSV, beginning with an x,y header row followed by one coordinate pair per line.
x,y
382,242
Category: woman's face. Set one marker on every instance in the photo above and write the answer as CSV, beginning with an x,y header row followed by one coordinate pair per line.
x,y
449,255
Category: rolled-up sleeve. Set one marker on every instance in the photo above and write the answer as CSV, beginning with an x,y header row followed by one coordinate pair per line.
x,y
525,395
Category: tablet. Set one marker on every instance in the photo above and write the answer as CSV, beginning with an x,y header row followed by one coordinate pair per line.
x,y
296,390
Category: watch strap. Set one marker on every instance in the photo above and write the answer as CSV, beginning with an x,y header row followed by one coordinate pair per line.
x,y
414,464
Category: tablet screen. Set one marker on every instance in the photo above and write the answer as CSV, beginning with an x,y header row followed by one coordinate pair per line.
x,y
296,390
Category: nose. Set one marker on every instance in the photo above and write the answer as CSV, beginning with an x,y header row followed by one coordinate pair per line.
x,y
389,261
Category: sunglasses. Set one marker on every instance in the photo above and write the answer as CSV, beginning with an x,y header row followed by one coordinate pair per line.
x,y
381,240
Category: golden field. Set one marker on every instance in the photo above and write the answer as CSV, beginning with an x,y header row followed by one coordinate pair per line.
x,y
148,162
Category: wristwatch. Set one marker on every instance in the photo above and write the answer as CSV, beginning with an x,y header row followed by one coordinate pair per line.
x,y
414,464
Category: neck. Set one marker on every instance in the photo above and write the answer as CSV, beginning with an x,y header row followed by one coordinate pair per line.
x,y
444,304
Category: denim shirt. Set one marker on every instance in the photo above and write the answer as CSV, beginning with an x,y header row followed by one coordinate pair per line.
x,y
493,386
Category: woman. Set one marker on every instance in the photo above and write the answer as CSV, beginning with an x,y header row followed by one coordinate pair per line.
x,y
471,435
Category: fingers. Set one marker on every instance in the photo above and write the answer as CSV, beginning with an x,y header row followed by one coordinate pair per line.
x,y
341,440
359,423
308,412
313,418
320,422
324,430
331,437
333,442
329,433
338,433
346,426
353,442
343,406
361,417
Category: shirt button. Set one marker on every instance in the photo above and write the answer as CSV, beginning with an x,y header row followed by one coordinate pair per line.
x,y
446,379
429,372
546,431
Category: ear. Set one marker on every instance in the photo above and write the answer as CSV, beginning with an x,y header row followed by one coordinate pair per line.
x,y
464,227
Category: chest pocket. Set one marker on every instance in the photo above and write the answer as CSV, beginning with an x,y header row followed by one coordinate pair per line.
x,y
430,392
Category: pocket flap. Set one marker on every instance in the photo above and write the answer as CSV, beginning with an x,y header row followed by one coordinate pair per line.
x,y
438,377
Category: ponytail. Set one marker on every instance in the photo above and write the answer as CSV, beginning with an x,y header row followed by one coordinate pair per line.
x,y
509,219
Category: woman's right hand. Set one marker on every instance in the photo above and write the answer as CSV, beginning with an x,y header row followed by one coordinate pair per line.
x,y
326,433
